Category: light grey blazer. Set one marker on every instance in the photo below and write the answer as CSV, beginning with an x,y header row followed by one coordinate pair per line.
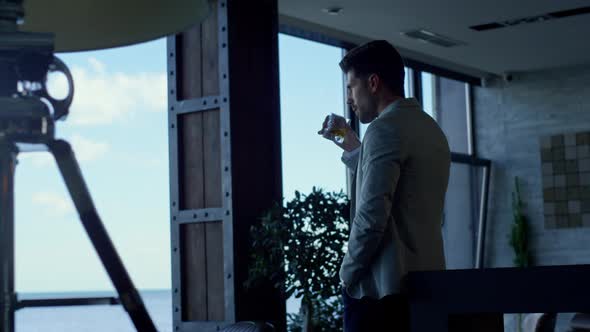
x,y
397,198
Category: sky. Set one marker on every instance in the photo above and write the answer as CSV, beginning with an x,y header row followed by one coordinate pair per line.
x,y
118,129
312,86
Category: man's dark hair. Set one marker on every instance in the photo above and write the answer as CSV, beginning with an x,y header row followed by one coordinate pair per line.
x,y
377,57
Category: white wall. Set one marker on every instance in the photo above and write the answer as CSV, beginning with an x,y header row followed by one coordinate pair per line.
x,y
510,117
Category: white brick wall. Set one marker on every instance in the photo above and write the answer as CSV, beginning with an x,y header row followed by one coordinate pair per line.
x,y
509,120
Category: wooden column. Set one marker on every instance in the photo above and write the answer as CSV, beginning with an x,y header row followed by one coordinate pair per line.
x,y
256,141
225,166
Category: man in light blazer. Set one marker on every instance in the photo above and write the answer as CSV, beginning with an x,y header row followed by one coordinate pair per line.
x,y
401,172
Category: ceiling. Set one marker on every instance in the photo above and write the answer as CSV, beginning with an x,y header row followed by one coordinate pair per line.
x,y
557,42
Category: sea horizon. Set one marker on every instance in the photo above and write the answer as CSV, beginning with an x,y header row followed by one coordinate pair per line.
x,y
94,318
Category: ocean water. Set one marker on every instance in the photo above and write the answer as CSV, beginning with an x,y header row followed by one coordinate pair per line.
x,y
91,318
98,318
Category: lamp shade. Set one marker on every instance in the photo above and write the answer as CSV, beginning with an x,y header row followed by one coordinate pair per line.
x,y
81,25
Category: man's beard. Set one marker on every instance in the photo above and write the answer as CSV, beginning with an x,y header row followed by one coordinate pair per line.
x,y
370,111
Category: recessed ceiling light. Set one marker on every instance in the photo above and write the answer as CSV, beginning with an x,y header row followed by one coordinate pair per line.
x,y
332,10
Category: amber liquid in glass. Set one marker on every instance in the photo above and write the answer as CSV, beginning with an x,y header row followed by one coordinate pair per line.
x,y
338,134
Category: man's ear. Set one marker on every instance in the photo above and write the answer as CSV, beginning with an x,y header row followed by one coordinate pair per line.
x,y
374,82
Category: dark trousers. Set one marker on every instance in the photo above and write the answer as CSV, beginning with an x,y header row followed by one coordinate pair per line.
x,y
390,313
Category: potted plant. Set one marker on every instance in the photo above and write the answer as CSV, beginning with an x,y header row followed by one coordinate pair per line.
x,y
306,237
519,236
520,231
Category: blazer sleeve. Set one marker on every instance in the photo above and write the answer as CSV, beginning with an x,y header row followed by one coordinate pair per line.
x,y
350,159
380,173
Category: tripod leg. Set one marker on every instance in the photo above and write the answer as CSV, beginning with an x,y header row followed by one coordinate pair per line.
x,y
128,294
8,152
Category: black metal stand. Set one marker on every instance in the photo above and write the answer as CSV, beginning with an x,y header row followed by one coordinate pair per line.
x,y
72,176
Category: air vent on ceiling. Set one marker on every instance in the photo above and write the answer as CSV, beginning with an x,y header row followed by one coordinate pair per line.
x,y
432,38
532,19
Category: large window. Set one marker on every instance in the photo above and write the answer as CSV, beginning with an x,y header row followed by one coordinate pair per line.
x,y
428,93
311,88
446,100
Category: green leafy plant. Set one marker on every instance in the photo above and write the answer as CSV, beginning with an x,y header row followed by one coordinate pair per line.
x,y
306,237
519,236
520,230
